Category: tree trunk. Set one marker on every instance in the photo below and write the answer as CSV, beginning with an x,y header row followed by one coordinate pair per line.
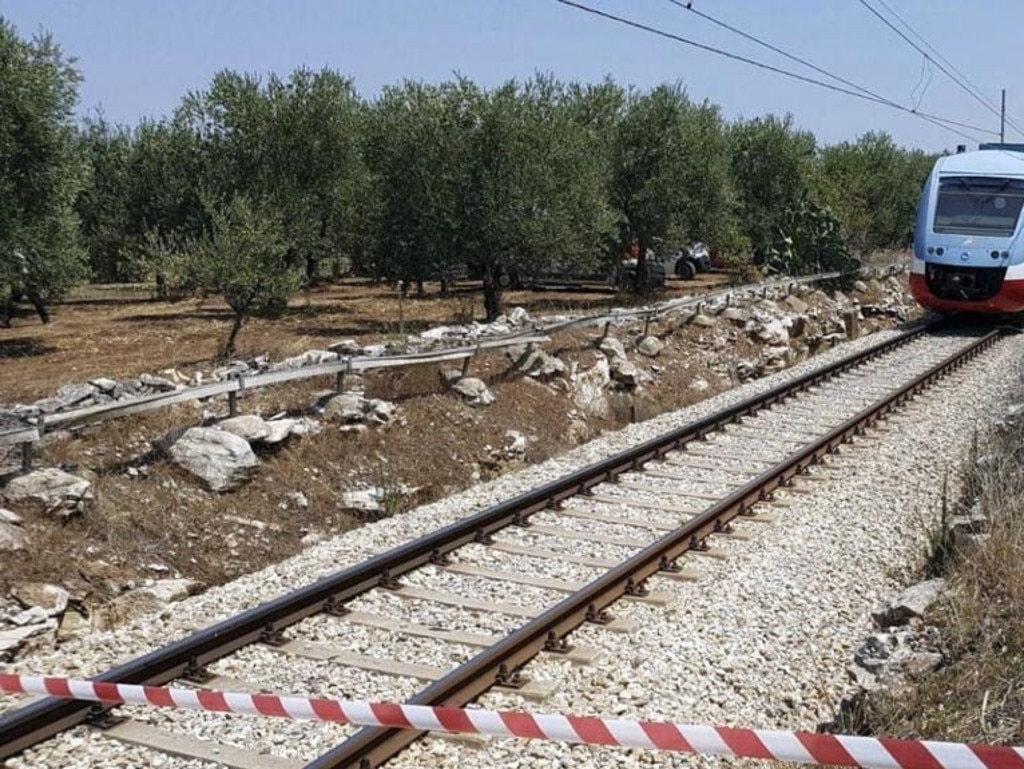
x,y
39,304
492,295
229,345
8,313
312,265
641,285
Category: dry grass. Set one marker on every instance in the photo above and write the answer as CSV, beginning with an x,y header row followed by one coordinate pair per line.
x,y
978,693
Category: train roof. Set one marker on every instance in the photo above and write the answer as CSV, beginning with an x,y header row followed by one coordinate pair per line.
x,y
991,162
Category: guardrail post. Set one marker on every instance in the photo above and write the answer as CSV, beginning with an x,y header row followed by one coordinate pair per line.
x,y
604,334
647,324
26,456
466,361
232,404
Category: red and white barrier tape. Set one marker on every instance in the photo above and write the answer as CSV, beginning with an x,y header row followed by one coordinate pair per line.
x,y
800,747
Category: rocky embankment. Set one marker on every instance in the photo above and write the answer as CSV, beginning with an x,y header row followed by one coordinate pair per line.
x,y
721,345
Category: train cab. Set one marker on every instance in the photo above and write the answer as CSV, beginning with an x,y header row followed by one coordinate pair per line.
x,y
967,251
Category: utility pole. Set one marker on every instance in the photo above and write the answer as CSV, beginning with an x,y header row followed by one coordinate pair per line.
x,y
1002,120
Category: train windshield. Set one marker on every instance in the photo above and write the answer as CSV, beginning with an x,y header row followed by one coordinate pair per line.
x,y
978,205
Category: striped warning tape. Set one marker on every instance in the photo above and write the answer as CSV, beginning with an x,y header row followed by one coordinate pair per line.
x,y
799,747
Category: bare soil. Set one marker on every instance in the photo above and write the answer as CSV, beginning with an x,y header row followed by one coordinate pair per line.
x,y
121,331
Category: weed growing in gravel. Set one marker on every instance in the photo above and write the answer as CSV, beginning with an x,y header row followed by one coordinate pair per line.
x,y
977,695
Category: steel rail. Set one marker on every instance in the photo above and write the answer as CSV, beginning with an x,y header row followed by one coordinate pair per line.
x,y
43,719
373,746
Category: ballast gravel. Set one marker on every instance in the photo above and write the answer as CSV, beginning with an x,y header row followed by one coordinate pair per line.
x,y
761,640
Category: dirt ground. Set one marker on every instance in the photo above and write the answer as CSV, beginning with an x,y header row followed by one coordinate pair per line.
x,y
121,331
150,520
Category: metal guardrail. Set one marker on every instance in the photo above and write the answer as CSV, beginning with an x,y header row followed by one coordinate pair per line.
x,y
232,387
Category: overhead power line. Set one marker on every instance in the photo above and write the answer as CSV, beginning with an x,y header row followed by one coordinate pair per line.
x,y
973,91
935,51
945,123
688,6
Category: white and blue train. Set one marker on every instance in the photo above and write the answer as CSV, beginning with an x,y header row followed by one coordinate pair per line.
x,y
968,249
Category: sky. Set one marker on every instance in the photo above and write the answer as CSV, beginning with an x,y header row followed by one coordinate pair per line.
x,y
140,57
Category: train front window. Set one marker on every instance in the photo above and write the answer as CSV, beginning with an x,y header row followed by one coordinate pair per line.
x,y
978,205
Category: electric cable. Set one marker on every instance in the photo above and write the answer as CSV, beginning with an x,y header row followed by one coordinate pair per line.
x,y
945,123
952,66
943,69
688,6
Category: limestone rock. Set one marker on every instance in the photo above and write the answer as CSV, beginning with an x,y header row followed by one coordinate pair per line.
x,y
379,411
706,321
11,517
223,461
279,430
516,444
650,346
911,603
474,391
772,332
612,348
52,599
364,500
249,427
625,373
345,347
12,537
72,625
308,358
345,407
14,638
796,304
170,590
519,316
535,363
736,315
588,389
52,489
124,608
157,382
103,384
75,394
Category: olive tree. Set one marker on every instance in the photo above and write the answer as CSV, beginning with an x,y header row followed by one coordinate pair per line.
x,y
771,166
873,186
40,172
535,193
670,174
245,259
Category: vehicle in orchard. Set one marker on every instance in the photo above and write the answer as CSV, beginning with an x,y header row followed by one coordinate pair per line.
x,y
968,250
690,261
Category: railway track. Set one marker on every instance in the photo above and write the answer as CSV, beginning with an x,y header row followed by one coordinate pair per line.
x,y
515,580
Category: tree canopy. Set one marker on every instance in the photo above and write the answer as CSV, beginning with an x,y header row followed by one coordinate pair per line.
x,y
41,170
423,182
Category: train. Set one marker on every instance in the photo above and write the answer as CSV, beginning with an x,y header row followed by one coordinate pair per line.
x,y
968,249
